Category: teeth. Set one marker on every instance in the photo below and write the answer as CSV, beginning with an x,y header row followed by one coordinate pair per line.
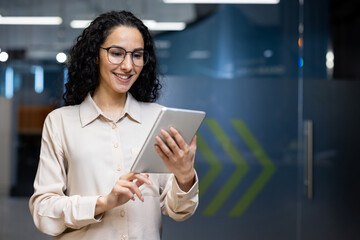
x,y
122,76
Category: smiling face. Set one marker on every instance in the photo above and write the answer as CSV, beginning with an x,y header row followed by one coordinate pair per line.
x,y
117,79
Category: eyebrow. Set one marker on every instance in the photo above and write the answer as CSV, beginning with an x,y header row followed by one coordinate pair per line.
x,y
135,49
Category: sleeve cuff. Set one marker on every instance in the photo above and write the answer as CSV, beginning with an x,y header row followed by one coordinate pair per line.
x,y
86,211
191,193
181,205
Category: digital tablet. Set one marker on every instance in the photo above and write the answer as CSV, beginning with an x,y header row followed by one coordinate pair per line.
x,y
187,122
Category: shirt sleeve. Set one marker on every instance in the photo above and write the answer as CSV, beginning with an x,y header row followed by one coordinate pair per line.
x,y
53,212
177,204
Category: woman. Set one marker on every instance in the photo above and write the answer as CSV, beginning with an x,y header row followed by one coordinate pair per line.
x,y
83,188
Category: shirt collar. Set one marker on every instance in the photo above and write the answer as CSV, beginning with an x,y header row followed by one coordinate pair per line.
x,y
132,109
89,111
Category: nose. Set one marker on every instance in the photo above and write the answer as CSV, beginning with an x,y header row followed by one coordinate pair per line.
x,y
126,65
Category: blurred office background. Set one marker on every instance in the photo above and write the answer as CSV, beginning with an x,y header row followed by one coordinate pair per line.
x,y
279,152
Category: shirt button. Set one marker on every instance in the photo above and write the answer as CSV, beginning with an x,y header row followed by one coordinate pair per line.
x,y
122,213
113,126
116,145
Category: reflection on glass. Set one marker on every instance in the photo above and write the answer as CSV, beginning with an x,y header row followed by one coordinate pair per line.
x,y
38,79
9,82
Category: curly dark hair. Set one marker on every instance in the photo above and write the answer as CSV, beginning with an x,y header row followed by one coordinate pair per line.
x,y
83,70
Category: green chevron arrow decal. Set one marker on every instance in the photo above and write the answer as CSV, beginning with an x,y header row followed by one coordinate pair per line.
x,y
235,178
215,165
264,176
241,168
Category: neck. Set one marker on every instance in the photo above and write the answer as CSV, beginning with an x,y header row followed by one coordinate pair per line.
x,y
111,104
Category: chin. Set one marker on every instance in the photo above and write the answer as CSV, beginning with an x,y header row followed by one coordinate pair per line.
x,y
122,90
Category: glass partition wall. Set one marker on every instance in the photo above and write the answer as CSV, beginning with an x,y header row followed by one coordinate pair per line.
x,y
240,65
277,153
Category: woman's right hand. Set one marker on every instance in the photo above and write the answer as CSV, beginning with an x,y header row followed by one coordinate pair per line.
x,y
124,189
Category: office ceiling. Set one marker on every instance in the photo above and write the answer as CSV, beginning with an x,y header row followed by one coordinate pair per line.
x,y
42,42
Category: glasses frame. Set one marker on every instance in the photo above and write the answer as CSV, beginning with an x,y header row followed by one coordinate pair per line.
x,y
131,54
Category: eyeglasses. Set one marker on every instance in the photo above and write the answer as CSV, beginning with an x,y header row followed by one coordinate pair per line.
x,y
116,55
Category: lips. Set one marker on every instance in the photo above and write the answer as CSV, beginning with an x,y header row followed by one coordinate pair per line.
x,y
124,78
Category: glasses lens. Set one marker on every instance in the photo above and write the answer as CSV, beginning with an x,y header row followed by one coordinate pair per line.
x,y
140,58
116,55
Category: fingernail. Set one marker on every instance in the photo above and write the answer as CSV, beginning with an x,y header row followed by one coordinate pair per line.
x,y
142,198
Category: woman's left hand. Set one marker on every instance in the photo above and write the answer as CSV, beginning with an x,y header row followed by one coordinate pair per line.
x,y
178,156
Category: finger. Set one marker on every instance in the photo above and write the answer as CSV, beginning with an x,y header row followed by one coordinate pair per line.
x,y
120,190
170,141
139,183
161,153
133,188
180,148
164,148
193,144
179,139
129,176
163,156
136,176
128,193
142,178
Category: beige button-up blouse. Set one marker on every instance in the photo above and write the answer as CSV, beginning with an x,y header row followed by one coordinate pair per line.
x,y
83,153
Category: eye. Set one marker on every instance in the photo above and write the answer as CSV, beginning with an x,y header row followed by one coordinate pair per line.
x,y
116,52
138,55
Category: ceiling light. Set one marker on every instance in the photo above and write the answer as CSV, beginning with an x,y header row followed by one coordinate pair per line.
x,y
80,23
164,26
61,57
330,56
224,1
4,56
151,24
30,20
